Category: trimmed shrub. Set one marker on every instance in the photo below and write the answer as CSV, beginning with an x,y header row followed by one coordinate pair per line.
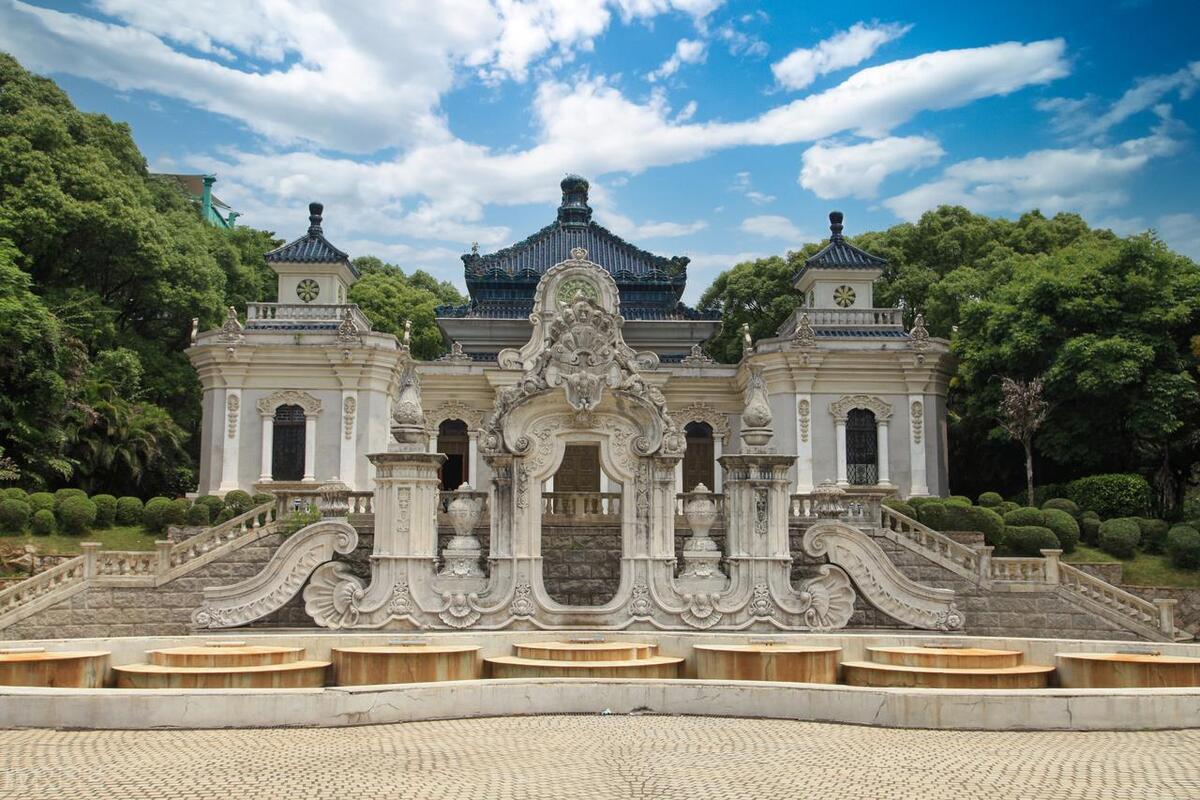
x,y
1062,504
1025,517
901,507
957,500
987,522
990,499
14,515
63,494
1040,494
1183,547
239,502
41,500
43,522
933,515
129,511
213,503
76,514
1154,534
1119,537
1029,540
154,514
14,493
1064,526
1116,495
106,510
198,514
917,502
224,516
260,498
1007,506
1089,528
176,513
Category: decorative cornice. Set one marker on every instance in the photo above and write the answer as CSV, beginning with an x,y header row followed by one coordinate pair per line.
x,y
703,412
453,409
841,408
289,397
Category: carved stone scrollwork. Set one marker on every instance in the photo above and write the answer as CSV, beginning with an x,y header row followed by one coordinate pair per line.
x,y
639,601
348,334
918,420
333,595
761,604
701,611
919,334
703,412
522,603
349,411
696,357
233,405
829,599
804,336
461,609
401,602
841,408
310,405
453,409
232,330
804,410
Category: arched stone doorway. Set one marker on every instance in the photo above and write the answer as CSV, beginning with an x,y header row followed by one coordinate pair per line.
x,y
699,460
862,448
454,442
288,447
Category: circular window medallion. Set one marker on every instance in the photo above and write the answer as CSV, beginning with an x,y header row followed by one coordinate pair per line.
x,y
307,290
573,286
843,296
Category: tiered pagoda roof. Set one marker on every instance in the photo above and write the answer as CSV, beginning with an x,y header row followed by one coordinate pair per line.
x,y
312,247
840,254
502,284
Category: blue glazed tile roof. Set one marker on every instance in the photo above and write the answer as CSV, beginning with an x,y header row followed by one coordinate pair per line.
x,y
840,254
313,247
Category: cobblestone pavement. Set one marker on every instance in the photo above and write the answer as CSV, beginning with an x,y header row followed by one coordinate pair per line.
x,y
594,757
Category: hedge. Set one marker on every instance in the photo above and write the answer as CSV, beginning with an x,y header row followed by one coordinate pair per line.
x,y
990,499
957,500
1120,536
1154,534
14,493
212,502
177,513
1183,547
1089,529
1029,540
1040,494
129,511
1024,517
76,514
14,515
1062,504
1115,495
106,510
198,514
933,515
1007,506
900,507
987,522
63,494
1064,526
43,522
154,514
41,500
239,502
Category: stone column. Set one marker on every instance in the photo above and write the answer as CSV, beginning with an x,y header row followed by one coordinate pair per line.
x,y
1052,557
839,427
718,470
347,462
473,458
268,445
916,446
310,447
679,476
230,440
1166,614
881,453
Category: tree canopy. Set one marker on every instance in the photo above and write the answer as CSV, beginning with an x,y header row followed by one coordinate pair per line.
x,y
389,297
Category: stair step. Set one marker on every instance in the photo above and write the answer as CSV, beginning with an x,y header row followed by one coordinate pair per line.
x,y
74,670
415,663
1126,671
868,673
292,675
518,667
952,657
224,655
585,651
762,662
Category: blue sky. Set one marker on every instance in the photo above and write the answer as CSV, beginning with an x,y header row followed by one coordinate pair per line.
x,y
717,130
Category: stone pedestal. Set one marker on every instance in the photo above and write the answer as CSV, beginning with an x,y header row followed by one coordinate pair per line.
x,y
461,570
701,557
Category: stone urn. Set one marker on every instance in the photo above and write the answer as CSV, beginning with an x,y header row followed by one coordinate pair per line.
x,y
828,500
460,557
701,558
335,500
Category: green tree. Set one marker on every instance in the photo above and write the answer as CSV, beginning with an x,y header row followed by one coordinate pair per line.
x,y
389,297
758,293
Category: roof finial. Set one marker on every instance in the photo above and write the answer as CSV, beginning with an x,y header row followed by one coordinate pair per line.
x,y
835,226
474,248
315,210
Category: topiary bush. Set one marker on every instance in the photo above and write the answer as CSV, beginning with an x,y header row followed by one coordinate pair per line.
x,y
106,510
1115,495
933,515
177,513
41,500
917,502
1025,517
1089,527
129,511
63,494
1064,526
957,500
900,507
1062,504
1183,547
224,516
239,502
43,523
261,497
14,515
1119,537
990,499
987,522
76,514
1007,506
14,493
1154,534
198,514
1040,494
1028,540
212,502
154,514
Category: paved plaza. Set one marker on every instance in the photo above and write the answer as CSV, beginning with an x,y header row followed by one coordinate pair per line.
x,y
596,757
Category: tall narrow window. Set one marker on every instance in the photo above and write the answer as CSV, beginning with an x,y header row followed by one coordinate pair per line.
x,y
698,459
454,441
287,449
862,448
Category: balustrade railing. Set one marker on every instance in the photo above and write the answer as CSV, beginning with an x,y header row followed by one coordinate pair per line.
x,y
928,539
1100,591
856,317
581,504
862,508
42,584
267,315
1016,569
361,502
214,537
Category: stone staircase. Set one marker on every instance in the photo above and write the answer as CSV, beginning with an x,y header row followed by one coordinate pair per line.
x,y
584,659
1149,619
946,668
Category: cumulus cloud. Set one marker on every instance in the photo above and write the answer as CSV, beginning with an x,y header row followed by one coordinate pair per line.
x,y
1181,232
845,49
1078,117
774,226
856,170
742,185
687,51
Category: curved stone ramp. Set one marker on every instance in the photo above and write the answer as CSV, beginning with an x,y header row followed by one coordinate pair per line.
x,y
948,709
1126,670
33,666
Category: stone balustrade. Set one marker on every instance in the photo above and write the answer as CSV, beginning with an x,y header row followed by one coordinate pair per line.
x,y
1018,569
581,504
271,315
855,317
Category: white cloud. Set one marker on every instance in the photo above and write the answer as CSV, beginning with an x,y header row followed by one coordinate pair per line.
x,y
1089,180
687,51
742,184
774,226
1077,116
856,170
705,267
845,49
1181,232
626,228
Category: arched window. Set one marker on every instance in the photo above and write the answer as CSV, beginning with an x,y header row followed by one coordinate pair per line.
x,y
454,441
699,458
287,449
862,448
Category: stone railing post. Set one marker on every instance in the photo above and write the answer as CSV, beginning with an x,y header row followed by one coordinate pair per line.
x,y
89,558
985,561
1052,571
1166,614
163,548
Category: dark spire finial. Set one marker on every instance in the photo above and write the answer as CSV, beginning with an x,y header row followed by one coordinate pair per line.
x,y
574,209
835,225
315,210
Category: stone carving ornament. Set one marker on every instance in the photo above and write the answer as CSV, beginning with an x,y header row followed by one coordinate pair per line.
x,y
804,409
522,604
310,405
919,333
840,409
233,405
756,417
453,409
349,410
703,412
918,420
804,335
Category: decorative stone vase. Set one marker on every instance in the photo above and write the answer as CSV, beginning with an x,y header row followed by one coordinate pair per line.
x,y
460,557
335,500
829,500
701,558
